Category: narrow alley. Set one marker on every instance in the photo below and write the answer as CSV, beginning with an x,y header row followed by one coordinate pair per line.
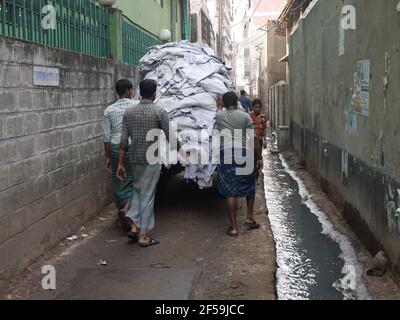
x,y
181,151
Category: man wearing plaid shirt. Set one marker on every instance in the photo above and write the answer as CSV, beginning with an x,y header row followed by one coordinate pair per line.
x,y
137,123
112,127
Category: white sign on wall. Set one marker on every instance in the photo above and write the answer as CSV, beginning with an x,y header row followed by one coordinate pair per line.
x,y
43,76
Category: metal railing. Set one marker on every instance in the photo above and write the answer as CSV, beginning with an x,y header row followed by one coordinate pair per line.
x,y
79,25
136,42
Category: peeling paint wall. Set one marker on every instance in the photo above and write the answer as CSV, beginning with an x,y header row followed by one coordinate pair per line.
x,y
345,123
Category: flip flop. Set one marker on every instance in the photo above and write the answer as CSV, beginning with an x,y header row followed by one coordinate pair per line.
x,y
252,226
231,233
152,242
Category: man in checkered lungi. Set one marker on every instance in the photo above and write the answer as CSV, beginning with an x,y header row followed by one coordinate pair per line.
x,y
137,123
112,126
233,183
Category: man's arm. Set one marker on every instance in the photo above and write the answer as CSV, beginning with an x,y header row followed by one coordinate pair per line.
x,y
107,139
265,146
220,105
123,147
257,149
107,150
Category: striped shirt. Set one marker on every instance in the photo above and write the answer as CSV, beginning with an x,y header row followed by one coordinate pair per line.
x,y
112,124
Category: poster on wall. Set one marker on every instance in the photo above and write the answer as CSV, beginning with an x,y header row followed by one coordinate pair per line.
x,y
361,87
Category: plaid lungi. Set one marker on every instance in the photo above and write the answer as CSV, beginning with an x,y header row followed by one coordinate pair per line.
x,y
144,187
232,185
123,190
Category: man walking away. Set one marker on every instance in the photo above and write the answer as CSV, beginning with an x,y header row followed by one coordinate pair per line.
x,y
112,126
230,184
245,101
137,123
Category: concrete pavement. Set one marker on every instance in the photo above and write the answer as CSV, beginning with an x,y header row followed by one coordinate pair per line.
x,y
196,260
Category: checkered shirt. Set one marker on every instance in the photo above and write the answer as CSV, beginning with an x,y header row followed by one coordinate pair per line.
x,y
112,123
137,123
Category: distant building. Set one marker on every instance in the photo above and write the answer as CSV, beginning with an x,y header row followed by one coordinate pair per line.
x,y
221,14
155,15
271,70
249,28
202,29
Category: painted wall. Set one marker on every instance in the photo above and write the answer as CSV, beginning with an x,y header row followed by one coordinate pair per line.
x,y
151,16
356,155
271,70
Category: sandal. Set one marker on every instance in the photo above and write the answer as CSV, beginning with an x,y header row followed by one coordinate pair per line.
x,y
231,233
252,225
152,242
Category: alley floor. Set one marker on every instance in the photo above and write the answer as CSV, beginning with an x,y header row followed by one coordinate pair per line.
x,y
196,260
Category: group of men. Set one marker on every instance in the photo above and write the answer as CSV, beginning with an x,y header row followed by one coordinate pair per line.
x,y
135,179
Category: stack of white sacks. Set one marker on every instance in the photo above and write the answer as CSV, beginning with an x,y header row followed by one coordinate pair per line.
x,y
190,77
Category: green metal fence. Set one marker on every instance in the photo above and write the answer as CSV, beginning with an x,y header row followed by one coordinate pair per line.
x,y
80,25
136,42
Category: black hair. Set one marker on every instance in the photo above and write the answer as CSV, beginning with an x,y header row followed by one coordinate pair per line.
x,y
122,86
242,92
230,99
257,101
148,88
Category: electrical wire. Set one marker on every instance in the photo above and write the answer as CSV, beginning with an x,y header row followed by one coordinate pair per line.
x,y
249,19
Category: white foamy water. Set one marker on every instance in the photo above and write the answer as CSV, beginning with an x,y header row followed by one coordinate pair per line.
x,y
296,273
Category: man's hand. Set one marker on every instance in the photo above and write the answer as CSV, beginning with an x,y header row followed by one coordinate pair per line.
x,y
219,103
121,171
108,164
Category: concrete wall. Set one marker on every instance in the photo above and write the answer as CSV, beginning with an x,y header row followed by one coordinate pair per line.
x,y
52,177
271,70
356,156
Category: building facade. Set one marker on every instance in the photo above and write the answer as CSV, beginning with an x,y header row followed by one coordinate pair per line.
x,y
348,137
250,27
221,14
202,29
171,14
272,76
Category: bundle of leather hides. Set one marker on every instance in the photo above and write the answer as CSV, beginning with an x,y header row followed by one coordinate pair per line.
x,y
190,77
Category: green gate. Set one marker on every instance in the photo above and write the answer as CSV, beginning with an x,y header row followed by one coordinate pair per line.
x,y
136,42
80,25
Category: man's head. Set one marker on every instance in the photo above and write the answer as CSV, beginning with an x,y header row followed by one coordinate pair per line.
x,y
148,89
124,89
242,92
257,106
230,99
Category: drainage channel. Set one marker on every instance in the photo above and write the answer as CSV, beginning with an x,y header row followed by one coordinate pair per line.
x,y
315,262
